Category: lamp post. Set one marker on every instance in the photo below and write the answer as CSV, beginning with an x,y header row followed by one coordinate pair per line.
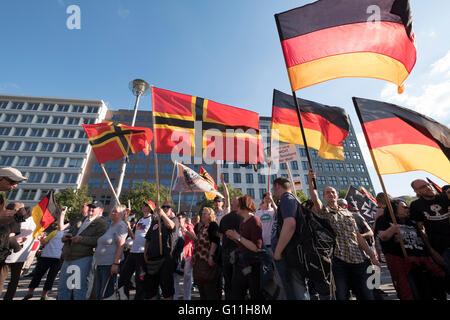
x,y
139,88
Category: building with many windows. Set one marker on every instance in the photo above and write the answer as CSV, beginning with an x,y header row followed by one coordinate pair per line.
x,y
43,138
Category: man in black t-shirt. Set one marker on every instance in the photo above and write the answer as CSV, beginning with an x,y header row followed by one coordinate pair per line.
x,y
432,213
230,221
152,255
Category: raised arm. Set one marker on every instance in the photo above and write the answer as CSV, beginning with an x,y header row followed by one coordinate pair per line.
x,y
62,215
225,192
313,192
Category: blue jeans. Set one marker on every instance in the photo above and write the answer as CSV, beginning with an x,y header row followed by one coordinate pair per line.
x,y
351,276
102,276
293,282
74,277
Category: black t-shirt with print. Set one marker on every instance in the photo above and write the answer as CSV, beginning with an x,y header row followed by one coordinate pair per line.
x,y
414,244
435,214
230,221
168,238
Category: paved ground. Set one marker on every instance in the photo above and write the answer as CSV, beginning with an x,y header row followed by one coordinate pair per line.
x,y
386,286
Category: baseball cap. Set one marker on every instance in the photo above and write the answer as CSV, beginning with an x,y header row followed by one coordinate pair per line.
x,y
12,174
96,204
151,204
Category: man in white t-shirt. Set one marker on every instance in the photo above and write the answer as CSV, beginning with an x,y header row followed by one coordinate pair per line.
x,y
266,214
222,206
135,260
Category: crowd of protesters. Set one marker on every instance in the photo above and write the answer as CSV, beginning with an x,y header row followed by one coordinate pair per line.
x,y
235,250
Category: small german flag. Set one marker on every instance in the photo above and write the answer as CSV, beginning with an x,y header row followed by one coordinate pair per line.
x,y
325,127
194,126
111,141
403,140
205,175
45,213
331,39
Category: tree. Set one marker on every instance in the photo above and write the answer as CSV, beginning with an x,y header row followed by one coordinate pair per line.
x,y
301,196
74,200
342,194
142,192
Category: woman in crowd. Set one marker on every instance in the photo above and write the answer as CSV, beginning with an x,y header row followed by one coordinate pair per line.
x,y
246,274
266,214
206,244
108,253
419,254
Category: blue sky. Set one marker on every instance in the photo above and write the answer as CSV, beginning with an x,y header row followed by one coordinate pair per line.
x,y
227,51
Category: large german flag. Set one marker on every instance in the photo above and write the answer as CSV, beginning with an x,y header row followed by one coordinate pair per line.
x,y
403,140
111,141
330,39
194,126
44,213
325,127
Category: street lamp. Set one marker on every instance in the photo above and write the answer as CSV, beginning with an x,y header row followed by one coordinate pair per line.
x,y
139,88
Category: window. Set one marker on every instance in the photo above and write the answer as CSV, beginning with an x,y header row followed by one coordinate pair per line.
x,y
80,148
329,166
35,177
1,144
5,131
151,168
352,143
89,121
285,175
251,192
350,167
106,200
63,108
106,184
314,153
75,163
17,106
13,145
12,195
225,165
343,180
28,194
236,177
41,162
360,168
261,178
283,166
96,168
6,161
20,132
30,146
249,178
33,106
356,155
42,119
166,168
68,134
261,193
52,133
126,183
347,154
225,177
73,121
272,178
321,180
26,119
82,135
302,152
58,120
47,147
344,143
236,166
319,166
78,109
48,107
36,132
113,167
340,167
354,180
92,110
364,181
11,118
64,147
52,177
305,165
24,161
294,165
115,117
140,167
3,104
94,183
140,118
332,180
58,162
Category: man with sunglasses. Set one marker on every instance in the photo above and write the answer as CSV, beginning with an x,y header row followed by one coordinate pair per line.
x,y
9,179
432,214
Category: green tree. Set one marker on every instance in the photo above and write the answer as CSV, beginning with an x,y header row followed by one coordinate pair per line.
x,y
74,200
302,196
342,193
142,192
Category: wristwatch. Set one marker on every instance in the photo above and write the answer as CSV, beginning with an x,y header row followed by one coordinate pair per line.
x,y
239,239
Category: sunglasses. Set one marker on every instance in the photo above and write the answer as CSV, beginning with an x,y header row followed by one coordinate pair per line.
x,y
166,207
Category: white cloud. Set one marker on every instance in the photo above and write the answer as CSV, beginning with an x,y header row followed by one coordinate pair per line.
x,y
442,65
123,13
8,87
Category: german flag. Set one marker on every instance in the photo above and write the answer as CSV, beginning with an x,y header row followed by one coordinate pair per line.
x,y
325,127
205,175
189,125
403,140
45,213
111,141
331,39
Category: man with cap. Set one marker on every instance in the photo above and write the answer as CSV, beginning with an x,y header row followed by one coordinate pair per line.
x,y
135,260
77,252
222,206
9,179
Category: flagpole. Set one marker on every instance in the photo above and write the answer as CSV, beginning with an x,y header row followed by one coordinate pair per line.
x,y
179,202
388,202
292,181
171,181
303,136
110,184
156,173
139,88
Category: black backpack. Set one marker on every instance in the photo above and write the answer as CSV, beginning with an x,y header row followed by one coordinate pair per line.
x,y
311,248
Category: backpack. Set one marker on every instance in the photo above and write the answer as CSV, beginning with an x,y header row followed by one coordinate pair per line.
x,y
311,248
